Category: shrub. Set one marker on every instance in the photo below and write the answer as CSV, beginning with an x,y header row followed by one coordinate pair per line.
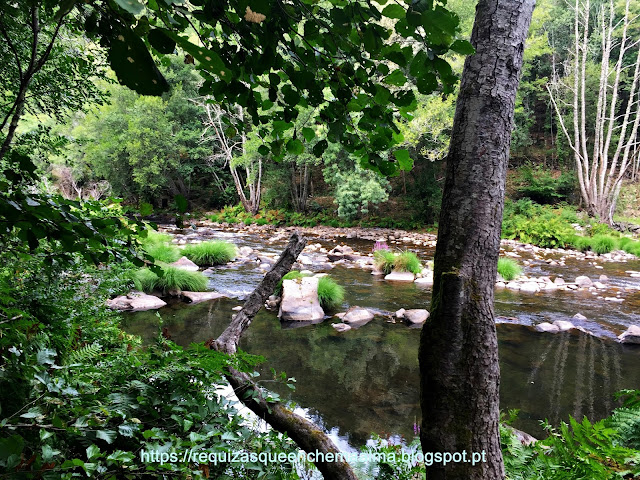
x,y
582,243
383,260
174,278
633,248
542,186
210,253
330,294
407,262
261,221
508,268
623,242
603,244
144,280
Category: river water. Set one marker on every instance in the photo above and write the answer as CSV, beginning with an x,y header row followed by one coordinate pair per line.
x,y
365,381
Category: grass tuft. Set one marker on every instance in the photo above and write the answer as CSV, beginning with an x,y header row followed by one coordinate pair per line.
x,y
144,280
603,244
174,278
162,252
383,260
508,268
330,294
407,262
210,253
633,248
582,243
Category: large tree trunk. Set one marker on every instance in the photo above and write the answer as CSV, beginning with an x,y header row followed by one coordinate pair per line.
x,y
459,368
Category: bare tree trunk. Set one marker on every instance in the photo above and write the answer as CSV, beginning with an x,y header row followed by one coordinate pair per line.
x,y
458,355
308,436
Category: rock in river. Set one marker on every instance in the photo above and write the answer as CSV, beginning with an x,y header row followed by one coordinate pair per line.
x,y
185,264
632,335
300,300
400,277
197,297
357,316
416,316
135,302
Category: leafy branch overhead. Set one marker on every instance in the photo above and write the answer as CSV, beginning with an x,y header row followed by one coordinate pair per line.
x,y
274,59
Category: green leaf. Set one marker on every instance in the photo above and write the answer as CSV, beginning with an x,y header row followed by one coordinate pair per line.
x,y
394,11
132,6
92,451
161,41
308,133
396,78
404,160
263,150
46,356
107,435
320,147
462,47
295,146
181,203
48,453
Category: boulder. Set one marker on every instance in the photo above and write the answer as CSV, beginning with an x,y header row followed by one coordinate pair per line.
x,y
583,281
599,285
400,277
530,287
631,335
564,325
513,286
300,300
416,316
341,327
547,327
136,302
245,251
198,297
185,264
579,316
400,313
604,278
357,316
559,281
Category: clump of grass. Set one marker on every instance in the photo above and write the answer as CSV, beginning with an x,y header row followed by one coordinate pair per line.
x,y
162,252
603,244
174,278
383,260
623,242
210,253
330,294
633,248
407,262
144,280
582,243
508,268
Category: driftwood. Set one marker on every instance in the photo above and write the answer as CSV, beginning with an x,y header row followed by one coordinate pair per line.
x,y
307,435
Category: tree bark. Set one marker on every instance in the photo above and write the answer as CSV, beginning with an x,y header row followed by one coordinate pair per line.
x,y
459,368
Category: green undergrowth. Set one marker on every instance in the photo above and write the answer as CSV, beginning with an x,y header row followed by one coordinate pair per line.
x,y
210,253
387,261
508,268
170,278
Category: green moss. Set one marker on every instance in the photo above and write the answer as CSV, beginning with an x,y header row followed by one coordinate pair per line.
x,y
210,253
508,268
330,294
603,244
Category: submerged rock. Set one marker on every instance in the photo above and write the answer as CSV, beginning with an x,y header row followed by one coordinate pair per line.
x,y
185,264
300,300
198,297
341,327
579,316
136,302
631,335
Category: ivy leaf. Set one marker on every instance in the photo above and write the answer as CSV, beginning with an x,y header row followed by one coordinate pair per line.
x,y
404,160
132,6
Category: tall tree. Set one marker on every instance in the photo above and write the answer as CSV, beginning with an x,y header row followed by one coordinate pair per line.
x,y
604,149
459,368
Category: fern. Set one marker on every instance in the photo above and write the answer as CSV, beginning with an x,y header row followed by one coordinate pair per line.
x,y
627,423
85,354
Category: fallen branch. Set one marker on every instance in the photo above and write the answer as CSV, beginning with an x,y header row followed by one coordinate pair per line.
x,y
307,435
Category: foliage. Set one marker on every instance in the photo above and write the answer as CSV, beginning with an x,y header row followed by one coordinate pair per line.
x,y
603,244
508,268
330,294
582,243
210,253
542,186
390,460
174,278
407,262
536,224
383,260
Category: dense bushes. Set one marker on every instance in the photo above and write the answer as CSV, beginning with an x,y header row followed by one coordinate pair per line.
x,y
542,186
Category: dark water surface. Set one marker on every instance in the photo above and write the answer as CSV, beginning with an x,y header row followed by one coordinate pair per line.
x,y
366,380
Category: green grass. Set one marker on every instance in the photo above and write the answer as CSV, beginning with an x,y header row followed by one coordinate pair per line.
x,y
582,243
162,252
632,247
407,262
173,278
210,253
144,280
330,294
623,242
383,260
508,268
603,244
